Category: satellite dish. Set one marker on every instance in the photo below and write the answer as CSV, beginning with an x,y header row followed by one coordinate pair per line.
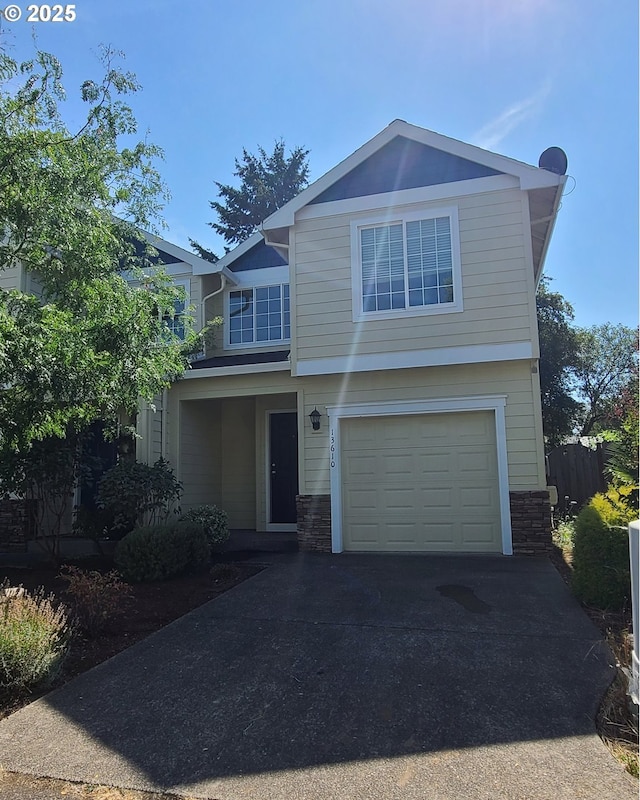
x,y
554,160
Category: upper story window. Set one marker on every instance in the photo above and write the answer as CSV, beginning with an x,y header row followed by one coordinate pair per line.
x,y
259,315
176,323
406,266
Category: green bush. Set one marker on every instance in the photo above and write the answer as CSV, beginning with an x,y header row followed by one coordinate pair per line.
x,y
132,493
34,639
157,552
601,572
614,507
214,521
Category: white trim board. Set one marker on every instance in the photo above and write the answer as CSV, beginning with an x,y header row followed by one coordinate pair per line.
x,y
390,201
407,359
238,369
494,403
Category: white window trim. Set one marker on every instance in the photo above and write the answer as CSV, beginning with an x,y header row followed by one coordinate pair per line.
x,y
184,283
493,403
359,315
270,343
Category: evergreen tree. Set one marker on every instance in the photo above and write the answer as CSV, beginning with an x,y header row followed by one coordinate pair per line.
x,y
267,182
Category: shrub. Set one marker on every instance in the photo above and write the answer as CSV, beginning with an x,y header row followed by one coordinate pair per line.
x,y
157,552
601,574
564,532
214,521
133,492
34,638
614,507
98,598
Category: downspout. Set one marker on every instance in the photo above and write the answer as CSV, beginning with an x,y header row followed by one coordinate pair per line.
x,y
223,283
277,246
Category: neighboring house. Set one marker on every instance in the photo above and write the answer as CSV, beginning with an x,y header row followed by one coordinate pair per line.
x,y
180,265
395,296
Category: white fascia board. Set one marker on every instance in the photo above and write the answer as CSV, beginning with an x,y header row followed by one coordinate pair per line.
x,y
198,265
527,174
238,369
552,225
404,197
261,277
403,407
541,179
436,357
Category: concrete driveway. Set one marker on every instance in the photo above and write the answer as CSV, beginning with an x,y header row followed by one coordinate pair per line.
x,y
346,677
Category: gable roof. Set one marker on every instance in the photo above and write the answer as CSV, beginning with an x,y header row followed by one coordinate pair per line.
x,y
403,164
170,253
451,153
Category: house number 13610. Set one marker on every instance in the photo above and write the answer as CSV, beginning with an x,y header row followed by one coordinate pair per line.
x,y
333,449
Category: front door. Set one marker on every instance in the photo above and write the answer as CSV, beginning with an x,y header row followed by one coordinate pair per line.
x,y
283,467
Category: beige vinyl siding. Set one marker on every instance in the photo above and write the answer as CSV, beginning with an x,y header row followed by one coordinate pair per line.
x,y
196,298
237,455
525,458
214,307
150,423
494,283
197,451
513,379
216,455
11,278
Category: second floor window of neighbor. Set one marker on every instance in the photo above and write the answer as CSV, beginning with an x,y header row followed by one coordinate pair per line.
x,y
259,315
407,265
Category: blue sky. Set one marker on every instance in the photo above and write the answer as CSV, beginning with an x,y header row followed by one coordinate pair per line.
x,y
515,76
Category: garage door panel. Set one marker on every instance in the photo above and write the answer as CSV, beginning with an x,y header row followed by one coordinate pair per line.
x,y
477,499
362,533
359,466
421,483
399,500
434,464
477,533
435,498
360,501
400,533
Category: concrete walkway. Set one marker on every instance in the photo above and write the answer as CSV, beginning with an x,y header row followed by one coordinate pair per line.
x,y
330,677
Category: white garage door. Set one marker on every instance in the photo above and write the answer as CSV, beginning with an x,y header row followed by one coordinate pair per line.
x,y
424,482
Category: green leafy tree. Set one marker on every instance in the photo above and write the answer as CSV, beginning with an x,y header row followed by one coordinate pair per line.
x,y
607,361
267,182
558,357
89,338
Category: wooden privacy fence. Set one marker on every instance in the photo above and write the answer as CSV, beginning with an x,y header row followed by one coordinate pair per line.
x,y
577,472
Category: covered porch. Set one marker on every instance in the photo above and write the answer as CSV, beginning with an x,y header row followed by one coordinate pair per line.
x,y
240,453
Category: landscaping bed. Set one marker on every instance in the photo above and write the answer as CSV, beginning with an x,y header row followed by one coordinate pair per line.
x,y
147,608
615,722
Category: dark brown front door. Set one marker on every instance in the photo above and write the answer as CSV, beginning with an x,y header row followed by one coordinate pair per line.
x,y
283,464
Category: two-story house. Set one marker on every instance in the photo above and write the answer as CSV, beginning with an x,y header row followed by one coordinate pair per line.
x,y
375,383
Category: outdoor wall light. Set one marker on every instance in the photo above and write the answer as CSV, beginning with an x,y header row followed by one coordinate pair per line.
x,y
314,416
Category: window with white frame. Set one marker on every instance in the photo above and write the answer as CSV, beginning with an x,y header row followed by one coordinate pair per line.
x,y
176,321
259,315
407,265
